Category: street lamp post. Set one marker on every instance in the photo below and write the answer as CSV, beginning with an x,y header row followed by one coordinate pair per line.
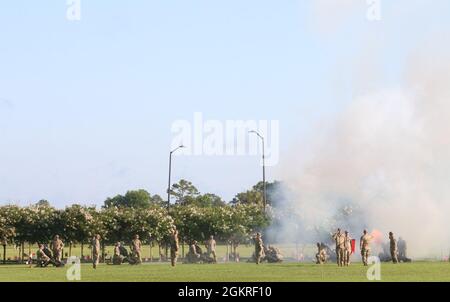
x,y
264,168
170,173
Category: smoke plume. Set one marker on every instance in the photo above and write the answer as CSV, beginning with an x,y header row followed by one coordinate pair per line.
x,y
383,165
384,162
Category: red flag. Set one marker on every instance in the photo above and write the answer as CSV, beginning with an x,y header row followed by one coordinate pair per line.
x,y
353,243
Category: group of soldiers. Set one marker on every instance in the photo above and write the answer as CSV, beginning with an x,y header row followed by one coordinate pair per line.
x,y
398,248
53,255
345,246
121,254
196,254
262,252
46,256
343,249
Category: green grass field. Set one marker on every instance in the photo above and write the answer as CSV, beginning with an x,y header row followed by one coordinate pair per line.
x,y
287,271
152,272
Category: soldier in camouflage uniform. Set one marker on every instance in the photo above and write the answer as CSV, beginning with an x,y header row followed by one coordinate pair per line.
x,y
192,256
136,246
339,238
42,258
364,245
117,257
259,248
211,248
95,250
57,246
321,255
174,247
272,254
393,247
402,250
347,248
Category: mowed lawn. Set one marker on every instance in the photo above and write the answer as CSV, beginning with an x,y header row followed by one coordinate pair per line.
x,y
153,272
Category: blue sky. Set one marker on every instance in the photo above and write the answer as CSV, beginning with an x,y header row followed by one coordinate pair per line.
x,y
86,107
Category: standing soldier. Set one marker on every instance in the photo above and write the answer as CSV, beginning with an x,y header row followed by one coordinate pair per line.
x,y
259,248
174,247
393,247
364,245
56,246
347,248
340,246
95,250
211,248
136,248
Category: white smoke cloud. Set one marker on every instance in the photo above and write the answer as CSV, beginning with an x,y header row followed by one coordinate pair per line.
x,y
385,158
5,104
329,15
388,154
6,108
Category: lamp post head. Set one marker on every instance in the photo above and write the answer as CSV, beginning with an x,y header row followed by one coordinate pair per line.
x,y
257,133
179,147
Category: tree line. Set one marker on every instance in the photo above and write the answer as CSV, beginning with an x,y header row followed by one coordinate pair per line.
x,y
195,215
